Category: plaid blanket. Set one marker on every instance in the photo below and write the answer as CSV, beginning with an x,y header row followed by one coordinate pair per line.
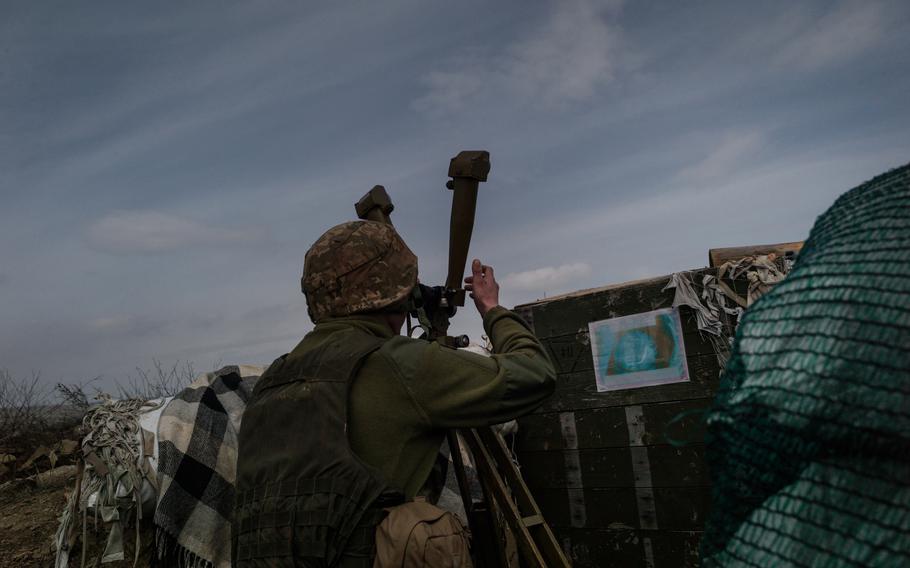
x,y
197,453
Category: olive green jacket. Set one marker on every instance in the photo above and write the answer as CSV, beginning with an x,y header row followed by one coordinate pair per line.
x,y
410,391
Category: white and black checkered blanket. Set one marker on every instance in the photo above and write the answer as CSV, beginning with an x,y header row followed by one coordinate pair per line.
x,y
197,449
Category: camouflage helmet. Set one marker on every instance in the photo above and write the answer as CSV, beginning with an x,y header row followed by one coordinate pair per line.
x,y
355,267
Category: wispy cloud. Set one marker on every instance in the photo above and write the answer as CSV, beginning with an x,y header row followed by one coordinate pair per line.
x,y
126,325
125,232
547,278
189,87
566,59
723,156
843,33
809,38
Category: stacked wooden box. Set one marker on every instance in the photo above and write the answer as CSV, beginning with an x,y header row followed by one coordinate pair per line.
x,y
620,475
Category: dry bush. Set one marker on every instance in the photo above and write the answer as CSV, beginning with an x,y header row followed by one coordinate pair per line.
x,y
30,409
158,382
35,416
24,406
73,395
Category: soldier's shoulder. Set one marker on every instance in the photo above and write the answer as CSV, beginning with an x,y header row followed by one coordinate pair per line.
x,y
402,355
407,355
404,348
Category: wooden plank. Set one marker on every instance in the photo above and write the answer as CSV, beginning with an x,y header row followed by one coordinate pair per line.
x,y
612,467
539,432
601,428
674,549
613,507
525,312
554,504
589,291
678,467
718,256
680,421
571,315
576,391
682,508
605,548
569,353
678,508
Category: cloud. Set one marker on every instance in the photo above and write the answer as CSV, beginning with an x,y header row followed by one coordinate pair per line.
x,y
548,278
732,151
143,231
126,325
804,37
565,60
657,234
149,103
846,31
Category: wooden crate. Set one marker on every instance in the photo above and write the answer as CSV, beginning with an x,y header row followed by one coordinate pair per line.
x,y
614,488
718,256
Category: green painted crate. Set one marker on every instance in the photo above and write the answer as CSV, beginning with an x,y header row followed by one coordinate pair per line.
x,y
614,488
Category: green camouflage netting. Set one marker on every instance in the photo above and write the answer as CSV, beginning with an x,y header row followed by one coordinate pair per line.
x,y
809,436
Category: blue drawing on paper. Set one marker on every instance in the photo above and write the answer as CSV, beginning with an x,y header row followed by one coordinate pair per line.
x,y
638,350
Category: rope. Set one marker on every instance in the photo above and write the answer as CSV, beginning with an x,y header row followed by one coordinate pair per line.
x,y
113,453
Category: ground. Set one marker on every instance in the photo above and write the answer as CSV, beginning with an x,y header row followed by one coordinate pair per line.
x,y
28,522
29,513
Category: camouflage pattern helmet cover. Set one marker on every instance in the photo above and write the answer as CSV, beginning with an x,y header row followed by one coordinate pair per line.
x,y
358,266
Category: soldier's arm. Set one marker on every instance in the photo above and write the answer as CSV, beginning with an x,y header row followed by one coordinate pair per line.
x,y
458,389
462,389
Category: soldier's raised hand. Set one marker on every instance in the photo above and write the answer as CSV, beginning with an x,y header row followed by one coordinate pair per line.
x,y
483,287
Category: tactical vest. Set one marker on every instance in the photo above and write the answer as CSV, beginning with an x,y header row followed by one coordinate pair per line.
x,y
303,497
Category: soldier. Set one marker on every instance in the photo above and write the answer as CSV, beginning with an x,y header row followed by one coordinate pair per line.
x,y
352,419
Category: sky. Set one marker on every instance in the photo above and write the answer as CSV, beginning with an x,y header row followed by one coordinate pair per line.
x,y
165,166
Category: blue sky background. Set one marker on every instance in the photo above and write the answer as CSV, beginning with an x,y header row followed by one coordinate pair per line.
x,y
164,166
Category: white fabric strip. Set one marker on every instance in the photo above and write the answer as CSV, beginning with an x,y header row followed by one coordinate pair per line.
x,y
641,468
577,511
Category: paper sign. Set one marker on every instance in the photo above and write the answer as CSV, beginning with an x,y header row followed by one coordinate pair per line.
x,y
640,350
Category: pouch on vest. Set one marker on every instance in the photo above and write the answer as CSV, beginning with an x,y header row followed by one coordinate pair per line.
x,y
418,534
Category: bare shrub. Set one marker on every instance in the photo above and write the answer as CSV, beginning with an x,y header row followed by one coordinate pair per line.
x,y
73,394
28,407
158,382
24,407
